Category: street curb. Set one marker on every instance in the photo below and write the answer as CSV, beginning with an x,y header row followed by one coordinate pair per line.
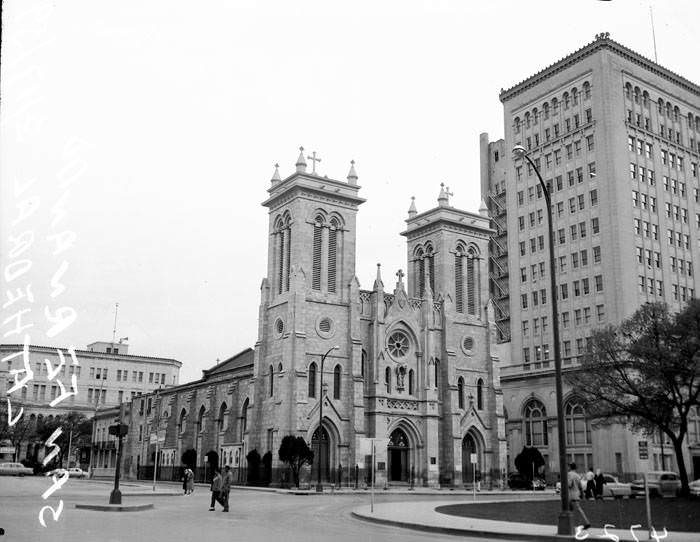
x,y
115,507
463,532
160,494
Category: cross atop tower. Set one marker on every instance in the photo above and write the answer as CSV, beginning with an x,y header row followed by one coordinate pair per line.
x,y
400,274
313,162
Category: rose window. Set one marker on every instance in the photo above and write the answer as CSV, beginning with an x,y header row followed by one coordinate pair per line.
x,y
398,344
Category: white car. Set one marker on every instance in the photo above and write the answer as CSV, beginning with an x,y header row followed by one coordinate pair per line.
x,y
695,488
614,488
661,484
77,472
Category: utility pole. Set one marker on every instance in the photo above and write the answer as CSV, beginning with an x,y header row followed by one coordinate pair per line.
x,y
115,497
157,424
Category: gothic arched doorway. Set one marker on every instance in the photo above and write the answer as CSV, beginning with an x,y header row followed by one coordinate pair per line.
x,y
320,444
397,454
470,446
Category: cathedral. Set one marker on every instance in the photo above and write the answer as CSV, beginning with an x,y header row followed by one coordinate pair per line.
x,y
411,364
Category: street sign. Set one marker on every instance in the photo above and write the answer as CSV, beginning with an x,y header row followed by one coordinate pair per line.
x,y
160,435
7,450
643,449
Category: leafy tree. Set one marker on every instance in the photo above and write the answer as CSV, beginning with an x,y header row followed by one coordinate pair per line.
x,y
295,452
21,431
646,373
76,431
529,460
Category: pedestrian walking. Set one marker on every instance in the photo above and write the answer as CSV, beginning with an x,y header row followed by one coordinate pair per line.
x,y
599,481
215,489
226,483
590,484
574,482
189,481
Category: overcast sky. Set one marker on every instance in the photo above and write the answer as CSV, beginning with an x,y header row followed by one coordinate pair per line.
x,y
159,124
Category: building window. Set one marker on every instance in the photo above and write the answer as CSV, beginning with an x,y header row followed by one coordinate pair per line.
x,y
271,377
535,418
578,430
336,382
312,380
387,379
460,392
480,394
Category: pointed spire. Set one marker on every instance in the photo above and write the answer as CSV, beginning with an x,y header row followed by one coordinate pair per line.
x,y
378,284
352,174
412,209
483,210
301,162
443,200
276,175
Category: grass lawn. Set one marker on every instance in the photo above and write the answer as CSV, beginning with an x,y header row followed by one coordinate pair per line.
x,y
674,514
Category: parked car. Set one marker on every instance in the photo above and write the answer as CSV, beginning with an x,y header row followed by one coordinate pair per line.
x,y
77,472
661,484
614,488
74,472
15,469
518,481
695,488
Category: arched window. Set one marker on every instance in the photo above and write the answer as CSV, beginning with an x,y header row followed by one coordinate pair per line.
x,y
535,418
430,267
336,382
660,106
628,91
363,368
410,382
555,106
535,114
222,417
669,110
516,125
480,394
690,121
244,419
637,94
586,90
282,251
574,95
312,380
271,377
181,421
387,379
420,273
527,119
332,254
459,279
676,114
645,99
578,429
545,110
437,373
316,256
472,281
460,392
565,99
200,419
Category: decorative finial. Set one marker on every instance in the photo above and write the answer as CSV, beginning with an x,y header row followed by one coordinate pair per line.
x,y
483,210
352,174
412,209
378,284
399,274
443,200
301,163
276,175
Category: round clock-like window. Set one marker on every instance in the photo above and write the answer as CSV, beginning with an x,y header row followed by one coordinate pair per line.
x,y
398,344
279,327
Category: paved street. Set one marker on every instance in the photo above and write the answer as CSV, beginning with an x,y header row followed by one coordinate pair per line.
x,y
254,515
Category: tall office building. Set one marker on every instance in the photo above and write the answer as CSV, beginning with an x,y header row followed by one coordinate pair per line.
x,y
617,139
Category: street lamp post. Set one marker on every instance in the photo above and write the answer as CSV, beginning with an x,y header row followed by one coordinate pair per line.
x,y
565,523
319,485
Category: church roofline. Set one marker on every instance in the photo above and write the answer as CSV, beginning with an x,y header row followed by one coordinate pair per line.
x,y
314,183
600,43
450,215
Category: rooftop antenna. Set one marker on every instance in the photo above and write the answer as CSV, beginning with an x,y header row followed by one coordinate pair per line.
x,y
653,33
114,331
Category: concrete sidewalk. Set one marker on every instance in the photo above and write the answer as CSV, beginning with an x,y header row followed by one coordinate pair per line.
x,y
423,517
